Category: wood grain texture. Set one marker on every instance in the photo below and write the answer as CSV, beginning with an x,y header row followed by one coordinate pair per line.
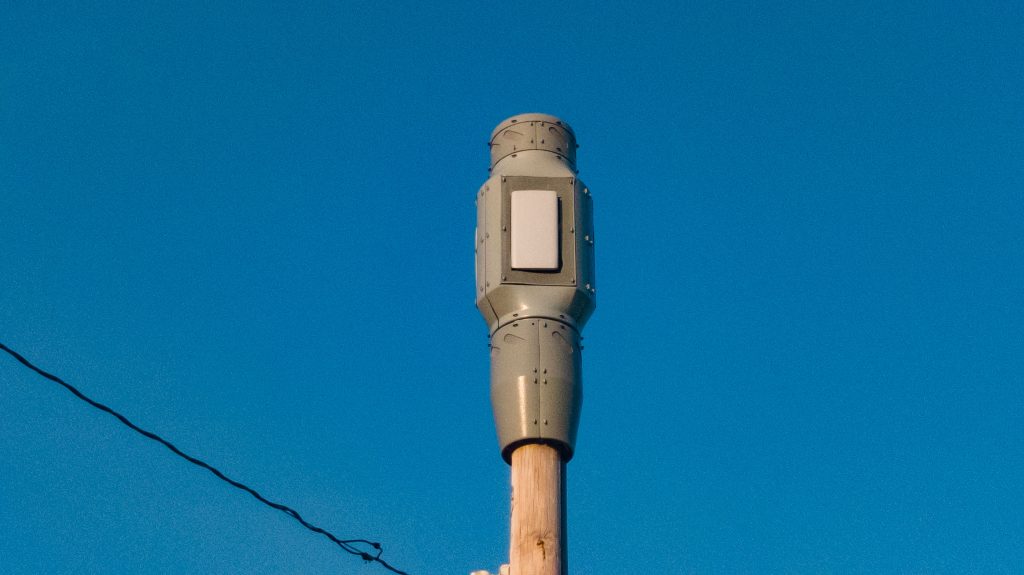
x,y
538,512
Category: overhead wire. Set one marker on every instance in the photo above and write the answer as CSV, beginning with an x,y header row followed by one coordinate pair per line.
x,y
347,545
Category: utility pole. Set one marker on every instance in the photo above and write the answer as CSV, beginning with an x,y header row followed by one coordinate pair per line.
x,y
535,289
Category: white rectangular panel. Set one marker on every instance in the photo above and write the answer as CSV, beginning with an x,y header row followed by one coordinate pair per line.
x,y
534,230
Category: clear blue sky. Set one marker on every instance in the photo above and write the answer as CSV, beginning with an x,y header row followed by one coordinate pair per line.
x,y
249,227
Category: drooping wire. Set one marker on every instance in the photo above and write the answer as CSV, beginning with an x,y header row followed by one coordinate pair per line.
x,y
347,545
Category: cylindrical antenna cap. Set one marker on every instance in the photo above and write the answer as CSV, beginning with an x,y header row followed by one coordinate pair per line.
x,y
533,132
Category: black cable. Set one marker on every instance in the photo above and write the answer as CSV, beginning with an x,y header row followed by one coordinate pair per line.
x,y
346,545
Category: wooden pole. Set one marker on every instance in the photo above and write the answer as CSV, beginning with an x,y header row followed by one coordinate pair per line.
x,y
538,512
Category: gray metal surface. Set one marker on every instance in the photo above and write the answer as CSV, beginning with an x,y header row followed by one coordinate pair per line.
x,y
536,384
533,132
535,317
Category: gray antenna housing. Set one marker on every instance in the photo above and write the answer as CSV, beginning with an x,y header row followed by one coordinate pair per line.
x,y
535,280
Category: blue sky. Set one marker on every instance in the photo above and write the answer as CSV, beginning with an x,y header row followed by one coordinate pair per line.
x,y
249,227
